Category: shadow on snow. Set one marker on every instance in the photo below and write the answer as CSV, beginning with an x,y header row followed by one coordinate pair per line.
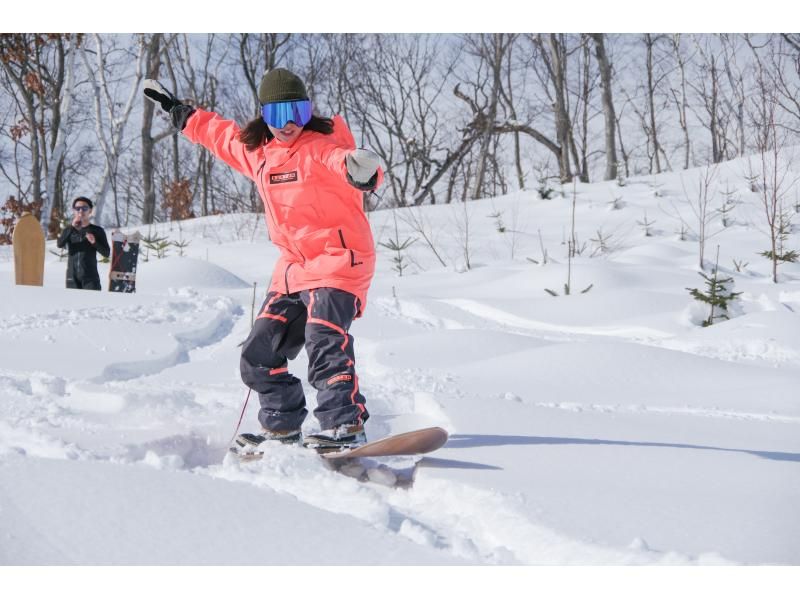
x,y
477,440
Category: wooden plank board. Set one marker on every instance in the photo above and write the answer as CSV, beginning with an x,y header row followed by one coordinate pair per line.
x,y
28,242
417,442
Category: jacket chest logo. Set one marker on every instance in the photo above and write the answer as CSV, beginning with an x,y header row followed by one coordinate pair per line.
x,y
282,177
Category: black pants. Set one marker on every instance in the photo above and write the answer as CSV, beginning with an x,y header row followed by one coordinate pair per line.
x,y
320,320
88,285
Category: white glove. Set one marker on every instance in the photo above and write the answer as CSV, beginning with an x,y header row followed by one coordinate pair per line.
x,y
362,164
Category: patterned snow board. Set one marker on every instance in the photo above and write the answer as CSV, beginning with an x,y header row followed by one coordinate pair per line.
x,y
124,255
28,244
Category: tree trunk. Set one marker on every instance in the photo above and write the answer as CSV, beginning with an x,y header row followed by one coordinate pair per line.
x,y
681,101
148,143
495,62
558,58
649,42
60,139
111,141
608,105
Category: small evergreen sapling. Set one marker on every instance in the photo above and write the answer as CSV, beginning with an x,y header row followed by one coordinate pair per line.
x,y
155,243
718,294
398,247
782,254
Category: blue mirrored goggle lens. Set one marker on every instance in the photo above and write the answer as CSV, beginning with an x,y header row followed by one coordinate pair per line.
x,y
277,114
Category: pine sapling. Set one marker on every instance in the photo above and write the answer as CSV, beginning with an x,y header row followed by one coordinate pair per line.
x,y
155,243
647,225
717,296
398,247
729,203
740,265
781,253
544,190
572,251
621,180
498,221
181,246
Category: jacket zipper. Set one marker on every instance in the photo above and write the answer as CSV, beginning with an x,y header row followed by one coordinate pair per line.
x,y
264,186
286,276
272,216
353,261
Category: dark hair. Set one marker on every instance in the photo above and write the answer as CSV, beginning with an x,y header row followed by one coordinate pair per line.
x,y
256,133
81,198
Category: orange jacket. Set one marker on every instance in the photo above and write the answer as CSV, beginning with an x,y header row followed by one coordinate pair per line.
x,y
313,214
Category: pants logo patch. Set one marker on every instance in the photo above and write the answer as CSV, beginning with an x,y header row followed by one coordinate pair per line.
x,y
339,378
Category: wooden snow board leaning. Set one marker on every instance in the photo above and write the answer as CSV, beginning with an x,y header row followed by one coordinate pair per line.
x,y
28,242
417,442
124,255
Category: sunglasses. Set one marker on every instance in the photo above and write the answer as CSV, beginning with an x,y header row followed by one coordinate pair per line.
x,y
81,209
278,114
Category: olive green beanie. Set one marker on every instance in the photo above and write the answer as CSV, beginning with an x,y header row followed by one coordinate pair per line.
x,y
280,85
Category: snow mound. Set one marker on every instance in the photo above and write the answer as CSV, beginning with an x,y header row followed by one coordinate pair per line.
x,y
155,275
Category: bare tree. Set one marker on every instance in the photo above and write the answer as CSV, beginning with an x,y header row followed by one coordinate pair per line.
x,y
680,96
259,53
608,105
40,71
701,203
735,75
153,66
552,55
396,90
492,49
774,178
708,88
582,110
110,120
652,129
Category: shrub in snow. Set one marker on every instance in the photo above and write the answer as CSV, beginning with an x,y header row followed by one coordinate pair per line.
x,y
544,190
718,296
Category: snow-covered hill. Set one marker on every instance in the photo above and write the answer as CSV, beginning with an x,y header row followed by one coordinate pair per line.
x,y
598,428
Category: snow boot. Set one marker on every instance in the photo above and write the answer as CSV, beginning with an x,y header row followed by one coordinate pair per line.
x,y
336,439
247,445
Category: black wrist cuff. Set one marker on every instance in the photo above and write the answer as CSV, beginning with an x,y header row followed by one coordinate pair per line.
x,y
368,186
180,114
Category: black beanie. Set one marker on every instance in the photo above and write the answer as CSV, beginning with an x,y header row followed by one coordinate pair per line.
x,y
280,85
86,199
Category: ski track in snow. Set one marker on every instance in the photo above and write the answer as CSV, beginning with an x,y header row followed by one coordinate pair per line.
x,y
512,321
488,527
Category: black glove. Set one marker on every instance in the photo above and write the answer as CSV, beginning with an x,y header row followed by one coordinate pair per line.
x,y
179,113
159,94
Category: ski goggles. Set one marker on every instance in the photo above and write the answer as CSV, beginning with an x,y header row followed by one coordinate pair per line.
x,y
278,114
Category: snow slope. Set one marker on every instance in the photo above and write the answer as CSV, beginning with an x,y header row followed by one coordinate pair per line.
x,y
598,428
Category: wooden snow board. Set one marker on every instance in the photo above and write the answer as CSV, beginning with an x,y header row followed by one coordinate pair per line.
x,y
417,442
124,256
28,242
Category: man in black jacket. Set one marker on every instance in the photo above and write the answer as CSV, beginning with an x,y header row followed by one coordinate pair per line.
x,y
84,240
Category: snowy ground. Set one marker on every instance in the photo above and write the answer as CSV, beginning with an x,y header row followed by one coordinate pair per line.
x,y
597,428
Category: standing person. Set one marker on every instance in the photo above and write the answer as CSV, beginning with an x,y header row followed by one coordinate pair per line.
x,y
311,179
85,240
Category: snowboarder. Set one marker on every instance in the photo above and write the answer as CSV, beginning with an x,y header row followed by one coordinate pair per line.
x,y
311,179
85,240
